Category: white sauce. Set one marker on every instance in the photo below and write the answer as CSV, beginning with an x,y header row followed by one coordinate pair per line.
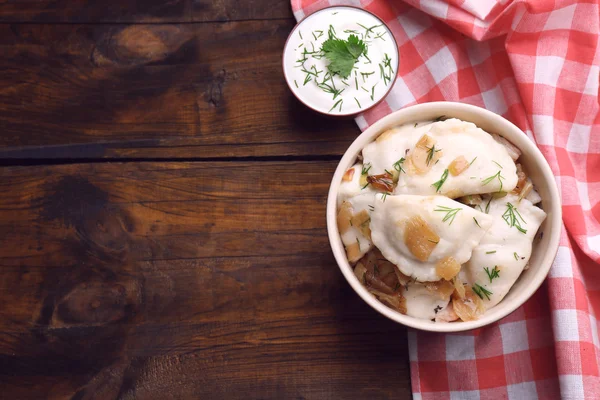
x,y
312,32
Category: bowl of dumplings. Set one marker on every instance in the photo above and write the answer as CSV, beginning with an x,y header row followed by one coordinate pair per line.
x,y
444,217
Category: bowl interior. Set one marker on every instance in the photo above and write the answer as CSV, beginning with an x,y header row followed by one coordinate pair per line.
x,y
544,247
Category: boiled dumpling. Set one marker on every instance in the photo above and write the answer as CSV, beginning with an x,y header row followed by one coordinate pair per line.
x,y
456,158
505,249
426,237
388,151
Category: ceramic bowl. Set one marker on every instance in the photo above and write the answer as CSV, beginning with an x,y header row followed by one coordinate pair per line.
x,y
544,249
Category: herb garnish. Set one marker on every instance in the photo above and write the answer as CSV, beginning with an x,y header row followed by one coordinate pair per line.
x,y
398,165
450,213
511,216
359,106
431,152
369,30
437,185
342,54
491,178
476,221
365,170
340,102
501,167
373,92
300,33
490,252
494,273
472,161
437,309
296,83
481,291
487,207
516,256
372,208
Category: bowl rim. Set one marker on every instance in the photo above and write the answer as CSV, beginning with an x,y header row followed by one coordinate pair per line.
x,y
444,108
351,115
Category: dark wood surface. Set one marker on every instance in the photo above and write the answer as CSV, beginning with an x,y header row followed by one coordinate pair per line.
x,y
163,212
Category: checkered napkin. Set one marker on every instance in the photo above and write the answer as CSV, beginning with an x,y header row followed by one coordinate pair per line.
x,y
537,63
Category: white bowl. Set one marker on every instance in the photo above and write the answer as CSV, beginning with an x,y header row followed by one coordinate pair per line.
x,y
544,250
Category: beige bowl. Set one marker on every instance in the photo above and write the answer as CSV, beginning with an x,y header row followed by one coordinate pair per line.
x,y
544,250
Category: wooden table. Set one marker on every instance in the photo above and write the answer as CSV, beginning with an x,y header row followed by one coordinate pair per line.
x,y
163,212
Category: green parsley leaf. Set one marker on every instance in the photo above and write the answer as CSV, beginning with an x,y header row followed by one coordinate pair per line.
x,y
343,54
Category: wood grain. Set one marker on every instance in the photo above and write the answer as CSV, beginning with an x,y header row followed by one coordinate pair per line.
x,y
83,11
182,280
155,91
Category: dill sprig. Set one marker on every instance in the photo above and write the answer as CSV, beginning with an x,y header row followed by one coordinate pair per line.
x,y
490,252
516,256
513,218
366,170
501,167
340,102
474,219
431,152
369,30
359,106
491,178
365,75
494,273
373,92
438,185
481,291
398,165
450,213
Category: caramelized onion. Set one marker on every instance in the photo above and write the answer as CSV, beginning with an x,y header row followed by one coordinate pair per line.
x,y
361,222
447,314
396,301
424,155
459,288
458,165
420,238
360,270
348,175
383,182
470,200
447,268
468,308
513,151
442,288
374,282
353,252
343,217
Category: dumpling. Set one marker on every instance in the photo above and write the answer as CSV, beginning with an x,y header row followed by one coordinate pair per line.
x,y
427,300
392,146
426,237
505,249
456,158
353,220
351,184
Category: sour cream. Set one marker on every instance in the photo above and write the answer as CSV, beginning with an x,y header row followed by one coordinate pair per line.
x,y
305,67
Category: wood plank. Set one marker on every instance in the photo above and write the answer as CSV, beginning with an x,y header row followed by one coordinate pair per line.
x,y
131,11
155,91
182,280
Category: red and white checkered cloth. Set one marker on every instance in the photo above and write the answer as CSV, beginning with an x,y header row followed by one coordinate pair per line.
x,y
537,63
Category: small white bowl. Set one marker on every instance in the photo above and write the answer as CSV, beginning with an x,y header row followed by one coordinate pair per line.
x,y
544,250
